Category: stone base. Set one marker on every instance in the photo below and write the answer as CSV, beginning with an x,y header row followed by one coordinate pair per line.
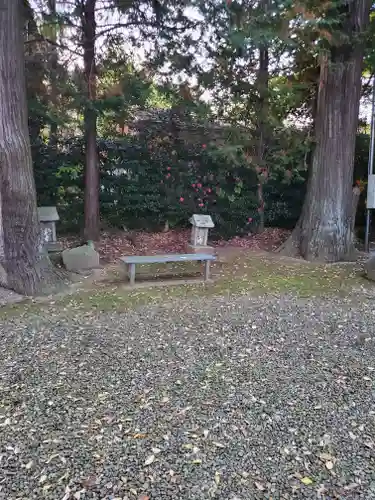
x,y
54,246
82,258
199,249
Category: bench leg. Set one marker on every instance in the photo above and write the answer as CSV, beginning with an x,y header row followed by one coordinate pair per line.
x,y
207,270
132,274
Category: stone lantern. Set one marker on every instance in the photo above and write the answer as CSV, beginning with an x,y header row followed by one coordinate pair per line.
x,y
199,233
48,217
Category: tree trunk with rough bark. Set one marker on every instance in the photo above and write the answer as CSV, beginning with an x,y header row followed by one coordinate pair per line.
x,y
262,128
92,180
53,65
325,231
23,266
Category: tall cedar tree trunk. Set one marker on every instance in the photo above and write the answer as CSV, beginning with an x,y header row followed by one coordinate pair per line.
x,y
23,266
325,229
53,64
92,182
262,126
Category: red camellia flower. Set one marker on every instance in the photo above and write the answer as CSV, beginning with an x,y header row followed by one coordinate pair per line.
x,y
204,146
181,199
201,204
168,168
168,175
193,185
199,185
250,219
209,190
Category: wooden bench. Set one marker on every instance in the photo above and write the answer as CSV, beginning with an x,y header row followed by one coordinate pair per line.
x,y
132,260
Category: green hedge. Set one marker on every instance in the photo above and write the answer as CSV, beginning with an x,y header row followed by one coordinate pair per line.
x,y
144,183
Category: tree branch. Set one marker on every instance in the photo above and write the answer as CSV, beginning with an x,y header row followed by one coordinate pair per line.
x,y
41,38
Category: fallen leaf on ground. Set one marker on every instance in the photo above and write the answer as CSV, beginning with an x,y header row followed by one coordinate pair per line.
x,y
351,486
89,481
306,481
321,490
113,245
326,457
67,494
149,460
218,445
329,465
259,486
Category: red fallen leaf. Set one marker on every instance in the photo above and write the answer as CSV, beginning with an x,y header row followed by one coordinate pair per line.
x,y
114,245
89,481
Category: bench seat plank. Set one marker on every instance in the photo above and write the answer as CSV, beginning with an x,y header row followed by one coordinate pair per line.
x,y
132,260
150,259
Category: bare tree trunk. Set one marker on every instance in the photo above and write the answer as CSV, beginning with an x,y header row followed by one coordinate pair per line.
x,y
53,64
23,266
326,228
262,121
92,181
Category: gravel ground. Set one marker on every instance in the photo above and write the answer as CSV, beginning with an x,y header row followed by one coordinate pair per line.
x,y
234,399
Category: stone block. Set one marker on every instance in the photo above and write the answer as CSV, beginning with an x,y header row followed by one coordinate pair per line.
x,y
199,249
81,258
370,267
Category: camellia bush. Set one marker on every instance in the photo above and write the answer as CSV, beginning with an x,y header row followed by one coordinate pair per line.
x,y
147,182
